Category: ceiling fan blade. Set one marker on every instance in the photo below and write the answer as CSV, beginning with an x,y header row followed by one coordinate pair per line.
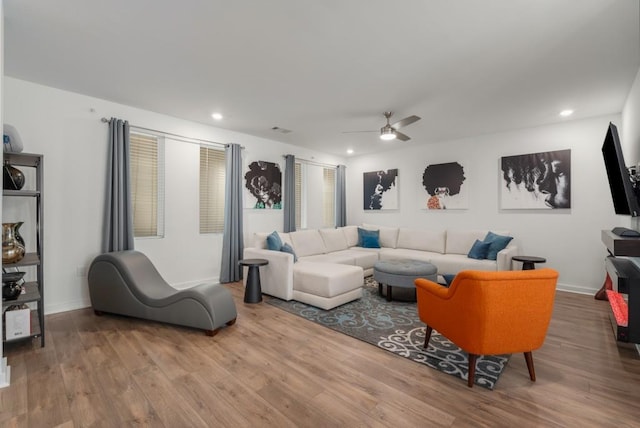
x,y
406,121
355,132
402,137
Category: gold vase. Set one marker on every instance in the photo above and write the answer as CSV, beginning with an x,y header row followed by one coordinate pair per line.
x,y
13,248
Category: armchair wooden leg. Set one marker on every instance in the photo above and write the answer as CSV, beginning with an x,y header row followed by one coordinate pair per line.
x,y
472,370
427,336
528,356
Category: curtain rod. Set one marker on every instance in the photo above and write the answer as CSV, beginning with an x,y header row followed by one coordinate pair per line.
x,y
312,162
185,139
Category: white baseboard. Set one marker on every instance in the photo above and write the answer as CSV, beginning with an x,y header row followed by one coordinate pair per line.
x,y
67,306
5,373
189,284
575,289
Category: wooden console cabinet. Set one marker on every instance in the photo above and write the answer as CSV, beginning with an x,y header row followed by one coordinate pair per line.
x,y
624,295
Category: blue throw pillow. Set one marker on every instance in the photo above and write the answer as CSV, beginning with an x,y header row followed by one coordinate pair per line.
x,y
274,243
286,248
371,241
479,250
362,233
497,243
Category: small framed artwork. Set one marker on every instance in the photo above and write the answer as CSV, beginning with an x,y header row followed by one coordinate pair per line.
x,y
445,187
536,180
380,190
263,182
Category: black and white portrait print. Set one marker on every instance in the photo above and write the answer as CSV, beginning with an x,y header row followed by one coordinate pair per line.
x,y
264,183
381,190
536,180
444,184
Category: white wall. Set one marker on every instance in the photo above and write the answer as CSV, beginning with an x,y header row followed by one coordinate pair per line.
x,y
569,239
62,126
630,132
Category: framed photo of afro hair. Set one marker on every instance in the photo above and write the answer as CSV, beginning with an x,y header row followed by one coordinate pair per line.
x,y
536,180
445,187
380,190
263,182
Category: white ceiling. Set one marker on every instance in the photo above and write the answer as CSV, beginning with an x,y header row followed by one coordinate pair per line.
x,y
318,68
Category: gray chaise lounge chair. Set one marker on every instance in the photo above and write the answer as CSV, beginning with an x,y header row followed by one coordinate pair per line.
x,y
127,283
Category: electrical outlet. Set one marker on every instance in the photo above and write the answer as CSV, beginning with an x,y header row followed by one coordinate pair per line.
x,y
81,271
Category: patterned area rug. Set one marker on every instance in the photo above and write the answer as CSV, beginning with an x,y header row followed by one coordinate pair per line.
x,y
396,327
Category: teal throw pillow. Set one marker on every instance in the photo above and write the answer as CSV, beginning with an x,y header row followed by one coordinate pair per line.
x,y
362,233
497,243
479,250
371,241
274,243
286,248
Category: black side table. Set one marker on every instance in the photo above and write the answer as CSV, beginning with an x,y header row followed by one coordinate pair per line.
x,y
253,290
528,262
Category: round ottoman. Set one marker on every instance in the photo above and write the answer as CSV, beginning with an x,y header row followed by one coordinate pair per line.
x,y
401,273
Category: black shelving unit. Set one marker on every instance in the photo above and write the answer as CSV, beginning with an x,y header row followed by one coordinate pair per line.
x,y
34,290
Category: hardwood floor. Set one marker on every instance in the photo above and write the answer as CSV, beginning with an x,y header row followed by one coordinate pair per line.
x,y
275,369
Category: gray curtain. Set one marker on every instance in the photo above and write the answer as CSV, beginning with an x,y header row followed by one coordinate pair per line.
x,y
289,194
341,196
118,222
233,240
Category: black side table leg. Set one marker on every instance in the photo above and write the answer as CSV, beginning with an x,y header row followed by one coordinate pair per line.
x,y
253,290
528,266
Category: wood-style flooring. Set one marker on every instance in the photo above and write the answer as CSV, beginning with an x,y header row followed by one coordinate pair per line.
x,y
275,369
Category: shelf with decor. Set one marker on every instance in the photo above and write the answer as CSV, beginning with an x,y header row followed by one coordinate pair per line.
x,y
23,180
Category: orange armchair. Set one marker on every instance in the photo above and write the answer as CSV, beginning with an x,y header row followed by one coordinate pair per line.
x,y
488,313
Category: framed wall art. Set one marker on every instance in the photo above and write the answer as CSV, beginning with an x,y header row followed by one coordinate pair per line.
x,y
536,180
263,182
445,186
380,190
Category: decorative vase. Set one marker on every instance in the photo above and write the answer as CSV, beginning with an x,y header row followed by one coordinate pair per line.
x,y
11,289
13,247
12,177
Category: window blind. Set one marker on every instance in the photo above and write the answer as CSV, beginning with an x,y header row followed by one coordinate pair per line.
x,y
298,192
329,197
212,182
147,185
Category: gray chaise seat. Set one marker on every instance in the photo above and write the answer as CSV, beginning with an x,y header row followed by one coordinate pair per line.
x,y
127,283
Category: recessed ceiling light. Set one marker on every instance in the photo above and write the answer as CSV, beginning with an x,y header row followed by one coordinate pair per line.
x,y
349,151
216,116
566,113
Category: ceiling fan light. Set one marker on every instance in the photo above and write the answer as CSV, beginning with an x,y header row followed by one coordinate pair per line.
x,y
387,133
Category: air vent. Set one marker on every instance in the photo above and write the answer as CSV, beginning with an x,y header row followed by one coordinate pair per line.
x,y
281,130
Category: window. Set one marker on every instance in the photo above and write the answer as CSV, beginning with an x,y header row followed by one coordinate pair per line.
x,y
298,190
329,197
147,184
212,181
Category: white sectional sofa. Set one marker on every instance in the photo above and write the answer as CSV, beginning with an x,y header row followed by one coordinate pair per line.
x,y
331,267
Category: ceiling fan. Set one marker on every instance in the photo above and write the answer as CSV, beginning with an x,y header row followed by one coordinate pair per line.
x,y
390,131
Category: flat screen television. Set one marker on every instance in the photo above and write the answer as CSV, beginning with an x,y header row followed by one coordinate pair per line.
x,y
625,199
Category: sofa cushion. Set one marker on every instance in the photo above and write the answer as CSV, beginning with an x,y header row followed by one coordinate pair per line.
x,y
497,243
339,257
403,253
274,243
334,239
461,241
425,240
326,280
454,263
372,238
286,248
351,234
479,250
364,259
260,239
307,242
388,235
